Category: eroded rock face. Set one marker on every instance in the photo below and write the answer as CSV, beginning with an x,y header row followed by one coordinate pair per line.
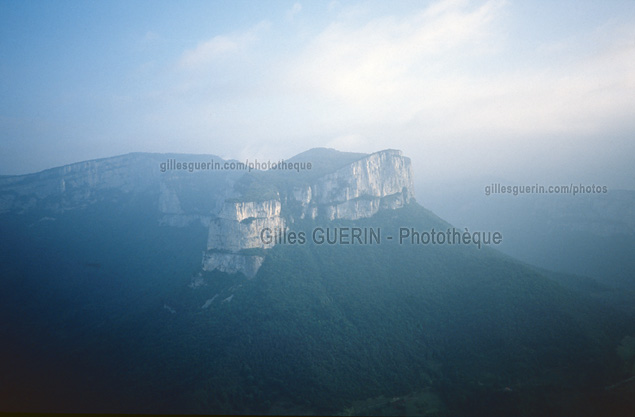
x,y
237,227
358,190
382,180
74,186
232,263
82,184
169,201
239,224
379,175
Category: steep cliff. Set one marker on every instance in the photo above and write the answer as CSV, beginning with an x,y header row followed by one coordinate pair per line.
x,y
238,227
182,197
360,189
382,180
76,185
340,186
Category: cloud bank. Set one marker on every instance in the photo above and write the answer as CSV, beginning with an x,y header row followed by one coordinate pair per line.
x,y
464,87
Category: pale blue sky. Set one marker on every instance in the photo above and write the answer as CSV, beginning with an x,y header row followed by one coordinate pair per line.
x,y
519,90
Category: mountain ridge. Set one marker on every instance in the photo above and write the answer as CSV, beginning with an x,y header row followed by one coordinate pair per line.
x,y
116,290
355,186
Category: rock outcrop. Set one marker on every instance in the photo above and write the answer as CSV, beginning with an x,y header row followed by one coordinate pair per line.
x,y
81,184
358,188
382,180
232,263
239,224
238,227
76,185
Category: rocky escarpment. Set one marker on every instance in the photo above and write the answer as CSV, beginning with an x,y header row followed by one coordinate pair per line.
x,y
181,197
360,189
345,186
76,185
238,227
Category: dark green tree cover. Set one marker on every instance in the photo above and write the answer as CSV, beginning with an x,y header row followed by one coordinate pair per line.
x,y
98,315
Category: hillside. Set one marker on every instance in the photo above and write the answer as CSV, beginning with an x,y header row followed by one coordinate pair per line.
x,y
113,310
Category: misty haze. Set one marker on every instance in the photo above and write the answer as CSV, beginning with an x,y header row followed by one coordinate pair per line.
x,y
318,208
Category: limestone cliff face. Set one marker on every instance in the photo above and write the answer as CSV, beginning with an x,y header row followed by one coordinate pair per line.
x,y
378,175
81,184
232,263
239,224
76,185
237,227
360,189
382,180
